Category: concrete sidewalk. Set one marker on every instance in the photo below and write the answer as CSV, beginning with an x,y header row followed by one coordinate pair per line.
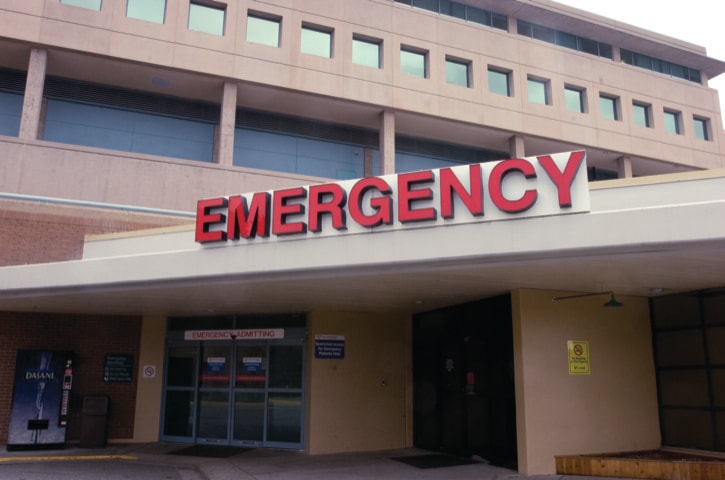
x,y
153,462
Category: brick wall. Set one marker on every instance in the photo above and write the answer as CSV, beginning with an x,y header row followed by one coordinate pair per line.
x,y
90,337
34,232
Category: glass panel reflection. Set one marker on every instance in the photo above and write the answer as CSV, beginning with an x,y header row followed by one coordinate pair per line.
x,y
179,413
284,422
181,369
285,366
248,416
213,415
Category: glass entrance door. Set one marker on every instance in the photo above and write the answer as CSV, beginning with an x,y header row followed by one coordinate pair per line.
x,y
250,383
214,379
235,393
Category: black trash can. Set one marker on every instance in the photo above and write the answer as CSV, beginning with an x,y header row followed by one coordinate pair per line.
x,y
94,421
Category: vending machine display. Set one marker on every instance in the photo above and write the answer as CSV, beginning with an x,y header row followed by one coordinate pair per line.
x,y
41,395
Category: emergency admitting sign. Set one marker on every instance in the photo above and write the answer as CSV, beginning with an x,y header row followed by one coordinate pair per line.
x,y
578,357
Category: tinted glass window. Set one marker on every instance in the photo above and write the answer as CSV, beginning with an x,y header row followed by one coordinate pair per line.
x,y
672,123
316,42
640,114
537,91
498,82
700,126
204,18
366,52
573,98
149,10
413,63
457,73
89,4
608,107
263,30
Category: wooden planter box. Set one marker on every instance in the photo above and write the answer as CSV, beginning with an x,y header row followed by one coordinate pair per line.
x,y
662,465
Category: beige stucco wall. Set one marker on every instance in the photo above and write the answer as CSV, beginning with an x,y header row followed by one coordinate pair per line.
x,y
361,402
612,409
148,392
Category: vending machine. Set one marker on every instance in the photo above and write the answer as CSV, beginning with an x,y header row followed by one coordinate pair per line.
x,y
41,396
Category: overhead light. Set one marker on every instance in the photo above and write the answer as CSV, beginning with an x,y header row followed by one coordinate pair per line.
x,y
613,302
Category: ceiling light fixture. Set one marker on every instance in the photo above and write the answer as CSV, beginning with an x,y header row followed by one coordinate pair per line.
x,y
613,302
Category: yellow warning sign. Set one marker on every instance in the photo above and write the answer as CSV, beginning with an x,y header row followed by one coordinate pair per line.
x,y
578,357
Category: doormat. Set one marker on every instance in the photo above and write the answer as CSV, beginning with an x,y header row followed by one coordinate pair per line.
x,y
210,451
434,460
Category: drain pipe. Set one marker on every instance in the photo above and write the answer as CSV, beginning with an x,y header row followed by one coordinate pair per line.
x,y
84,203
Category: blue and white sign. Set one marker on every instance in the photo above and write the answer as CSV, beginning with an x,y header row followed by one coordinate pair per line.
x,y
252,364
330,346
215,364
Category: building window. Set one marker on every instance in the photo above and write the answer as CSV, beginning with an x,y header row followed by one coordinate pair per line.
x,y
564,39
149,10
206,18
538,90
464,12
414,62
574,99
89,4
263,30
316,41
702,128
499,81
608,106
642,114
661,66
458,72
366,51
672,122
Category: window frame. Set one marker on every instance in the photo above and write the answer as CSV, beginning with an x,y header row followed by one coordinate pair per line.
x,y
616,109
581,97
647,111
267,18
314,29
545,83
506,76
417,52
358,39
218,7
676,117
458,62
705,128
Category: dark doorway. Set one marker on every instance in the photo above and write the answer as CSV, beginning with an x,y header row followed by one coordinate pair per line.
x,y
464,381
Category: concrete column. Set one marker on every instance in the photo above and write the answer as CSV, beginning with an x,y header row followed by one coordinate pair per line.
x,y
33,98
517,147
513,26
150,374
616,55
368,162
224,149
387,142
624,167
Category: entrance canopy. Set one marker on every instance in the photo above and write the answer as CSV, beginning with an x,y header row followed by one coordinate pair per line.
x,y
643,236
